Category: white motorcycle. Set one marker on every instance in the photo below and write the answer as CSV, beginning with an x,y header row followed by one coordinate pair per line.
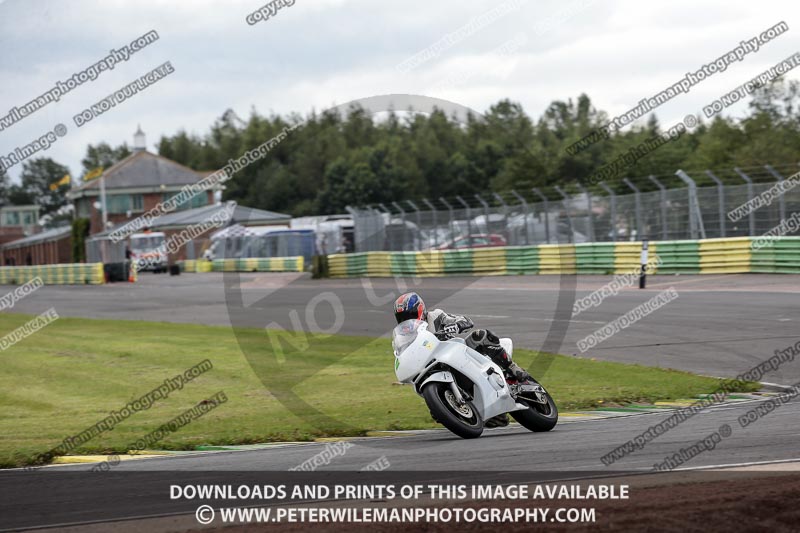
x,y
462,387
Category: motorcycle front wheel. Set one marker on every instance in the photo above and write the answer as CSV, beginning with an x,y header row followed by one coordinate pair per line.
x,y
463,420
538,416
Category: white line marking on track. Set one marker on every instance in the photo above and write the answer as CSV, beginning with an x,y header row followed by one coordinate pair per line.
x,y
734,465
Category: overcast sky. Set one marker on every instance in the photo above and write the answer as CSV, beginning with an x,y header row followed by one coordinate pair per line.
x,y
319,53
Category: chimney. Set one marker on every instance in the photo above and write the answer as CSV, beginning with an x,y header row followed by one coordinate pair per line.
x,y
139,144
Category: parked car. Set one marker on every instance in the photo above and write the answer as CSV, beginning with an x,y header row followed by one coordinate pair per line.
x,y
476,240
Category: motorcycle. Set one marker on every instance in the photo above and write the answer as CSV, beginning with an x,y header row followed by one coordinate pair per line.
x,y
462,387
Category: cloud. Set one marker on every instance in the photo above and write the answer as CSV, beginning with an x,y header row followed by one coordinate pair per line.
x,y
313,55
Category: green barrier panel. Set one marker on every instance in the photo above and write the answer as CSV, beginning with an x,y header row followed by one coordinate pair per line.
x,y
522,260
595,258
357,264
779,256
679,257
457,261
404,264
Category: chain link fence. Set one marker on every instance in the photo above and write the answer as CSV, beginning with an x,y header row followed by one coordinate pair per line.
x,y
699,209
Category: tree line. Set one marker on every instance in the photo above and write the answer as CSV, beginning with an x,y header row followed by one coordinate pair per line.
x,y
337,159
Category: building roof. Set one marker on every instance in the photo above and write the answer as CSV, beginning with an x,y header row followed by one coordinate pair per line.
x,y
45,236
241,215
142,170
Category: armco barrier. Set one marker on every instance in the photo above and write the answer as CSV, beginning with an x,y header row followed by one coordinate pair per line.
x,y
781,256
707,256
252,264
68,274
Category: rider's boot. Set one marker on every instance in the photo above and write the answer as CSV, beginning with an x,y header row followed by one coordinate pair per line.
x,y
519,373
487,343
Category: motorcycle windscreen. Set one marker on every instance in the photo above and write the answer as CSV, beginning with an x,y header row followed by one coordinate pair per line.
x,y
405,333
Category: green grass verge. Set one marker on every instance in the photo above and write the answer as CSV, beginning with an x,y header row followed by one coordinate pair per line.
x,y
72,373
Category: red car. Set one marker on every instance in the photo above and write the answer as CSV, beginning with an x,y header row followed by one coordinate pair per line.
x,y
478,240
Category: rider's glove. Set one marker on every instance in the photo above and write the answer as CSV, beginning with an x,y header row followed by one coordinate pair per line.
x,y
464,324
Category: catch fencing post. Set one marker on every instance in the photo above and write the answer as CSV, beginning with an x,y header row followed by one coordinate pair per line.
x,y
752,215
695,220
485,211
613,198
469,219
637,197
781,199
589,212
720,201
403,223
450,209
419,219
505,215
663,202
546,213
524,204
565,197
435,221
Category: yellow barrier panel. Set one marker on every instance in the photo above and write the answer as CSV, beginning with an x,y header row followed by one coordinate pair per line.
x,y
725,256
379,264
489,261
430,263
557,259
62,274
337,265
628,256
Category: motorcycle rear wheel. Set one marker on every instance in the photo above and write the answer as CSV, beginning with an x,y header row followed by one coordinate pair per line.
x,y
464,421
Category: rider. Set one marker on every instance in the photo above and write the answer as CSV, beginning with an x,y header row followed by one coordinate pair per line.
x,y
445,326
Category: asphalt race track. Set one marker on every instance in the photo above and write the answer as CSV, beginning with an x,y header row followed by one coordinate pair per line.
x,y
571,451
718,325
